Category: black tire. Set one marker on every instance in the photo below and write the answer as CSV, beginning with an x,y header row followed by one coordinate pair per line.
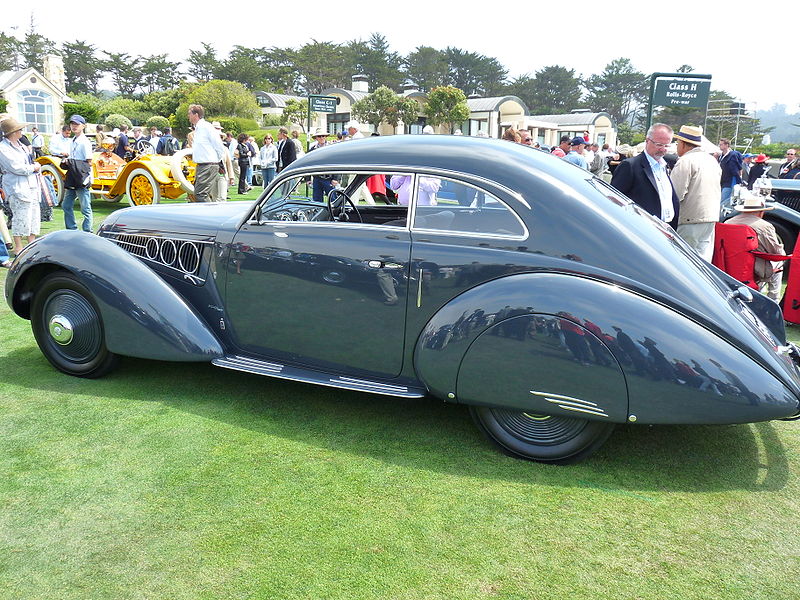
x,y
541,438
68,328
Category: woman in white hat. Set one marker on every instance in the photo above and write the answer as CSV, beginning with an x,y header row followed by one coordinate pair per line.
x,y
20,183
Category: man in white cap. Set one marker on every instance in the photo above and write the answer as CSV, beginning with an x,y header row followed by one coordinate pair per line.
x,y
696,179
752,214
353,131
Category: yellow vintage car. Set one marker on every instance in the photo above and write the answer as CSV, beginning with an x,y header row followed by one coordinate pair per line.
x,y
145,180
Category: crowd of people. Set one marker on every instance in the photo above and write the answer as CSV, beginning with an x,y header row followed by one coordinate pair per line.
x,y
681,183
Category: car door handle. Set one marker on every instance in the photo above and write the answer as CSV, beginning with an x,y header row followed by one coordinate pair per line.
x,y
379,264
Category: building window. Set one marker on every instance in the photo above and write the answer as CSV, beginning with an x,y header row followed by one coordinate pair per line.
x,y
36,108
337,122
417,127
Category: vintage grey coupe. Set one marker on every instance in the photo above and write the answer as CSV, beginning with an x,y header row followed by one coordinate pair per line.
x,y
497,276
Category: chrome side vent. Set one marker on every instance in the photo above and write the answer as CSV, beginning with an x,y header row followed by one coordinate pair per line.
x,y
572,404
183,256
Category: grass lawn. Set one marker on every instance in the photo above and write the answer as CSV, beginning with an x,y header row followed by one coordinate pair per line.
x,y
185,481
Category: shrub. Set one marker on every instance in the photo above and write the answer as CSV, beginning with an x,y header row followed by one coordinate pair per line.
x,y
235,124
158,122
273,120
115,121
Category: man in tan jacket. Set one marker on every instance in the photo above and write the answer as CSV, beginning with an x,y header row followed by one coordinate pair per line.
x,y
696,178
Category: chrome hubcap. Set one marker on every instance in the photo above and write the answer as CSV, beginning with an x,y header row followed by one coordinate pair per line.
x,y
60,329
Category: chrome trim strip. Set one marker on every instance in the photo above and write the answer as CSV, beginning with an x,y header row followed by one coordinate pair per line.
x,y
548,395
591,412
257,367
151,248
573,404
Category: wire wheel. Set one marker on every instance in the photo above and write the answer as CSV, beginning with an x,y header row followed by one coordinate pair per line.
x,y
142,188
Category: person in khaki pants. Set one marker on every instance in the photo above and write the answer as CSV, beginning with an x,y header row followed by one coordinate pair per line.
x,y
696,179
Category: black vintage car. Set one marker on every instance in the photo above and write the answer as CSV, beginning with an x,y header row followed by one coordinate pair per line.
x,y
499,277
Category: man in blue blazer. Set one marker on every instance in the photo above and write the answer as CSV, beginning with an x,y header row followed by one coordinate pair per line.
x,y
645,178
730,161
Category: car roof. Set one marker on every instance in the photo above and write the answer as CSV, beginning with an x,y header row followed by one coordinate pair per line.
x,y
512,165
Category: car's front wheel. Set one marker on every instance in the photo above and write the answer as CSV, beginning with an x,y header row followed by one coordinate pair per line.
x,y
142,188
543,438
68,328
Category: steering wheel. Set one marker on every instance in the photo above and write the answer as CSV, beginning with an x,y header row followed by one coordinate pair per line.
x,y
337,201
142,146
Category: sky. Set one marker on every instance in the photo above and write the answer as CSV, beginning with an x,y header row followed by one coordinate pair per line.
x,y
743,46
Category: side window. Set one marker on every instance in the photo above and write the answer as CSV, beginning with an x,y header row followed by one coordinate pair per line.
x,y
453,206
340,197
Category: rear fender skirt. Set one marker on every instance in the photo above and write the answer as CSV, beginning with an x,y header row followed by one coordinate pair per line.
x,y
675,371
142,315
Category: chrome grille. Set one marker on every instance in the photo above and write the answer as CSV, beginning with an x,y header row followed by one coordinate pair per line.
x,y
182,256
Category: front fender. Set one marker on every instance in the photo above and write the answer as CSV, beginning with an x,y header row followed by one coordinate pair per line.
x,y
142,315
674,370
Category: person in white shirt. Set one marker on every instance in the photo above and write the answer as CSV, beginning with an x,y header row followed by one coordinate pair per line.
x,y
37,142
207,152
60,143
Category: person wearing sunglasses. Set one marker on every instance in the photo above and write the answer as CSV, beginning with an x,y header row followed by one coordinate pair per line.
x,y
645,178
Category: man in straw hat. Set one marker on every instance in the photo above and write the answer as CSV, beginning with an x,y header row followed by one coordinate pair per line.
x,y
751,213
696,179
323,184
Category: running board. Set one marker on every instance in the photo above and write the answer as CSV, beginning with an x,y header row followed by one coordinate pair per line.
x,y
260,367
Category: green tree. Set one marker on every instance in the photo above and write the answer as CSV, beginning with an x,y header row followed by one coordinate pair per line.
x,y
133,109
157,121
82,68
446,105
114,121
125,70
619,90
475,73
296,112
166,102
34,47
225,98
374,59
322,65
242,65
203,63
9,53
384,105
552,90
279,71
426,67
86,105
158,73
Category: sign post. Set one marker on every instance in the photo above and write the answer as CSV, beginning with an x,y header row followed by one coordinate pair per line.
x,y
319,103
684,90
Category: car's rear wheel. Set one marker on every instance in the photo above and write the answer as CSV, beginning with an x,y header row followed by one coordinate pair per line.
x,y
142,188
543,438
68,328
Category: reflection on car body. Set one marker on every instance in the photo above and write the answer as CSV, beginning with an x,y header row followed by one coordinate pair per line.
x,y
518,285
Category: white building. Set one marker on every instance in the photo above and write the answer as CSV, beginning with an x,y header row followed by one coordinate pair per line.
x,y
488,116
36,98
